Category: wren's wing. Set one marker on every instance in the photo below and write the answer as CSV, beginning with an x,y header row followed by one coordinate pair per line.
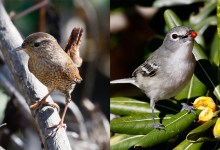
x,y
146,69
77,77
72,72
72,47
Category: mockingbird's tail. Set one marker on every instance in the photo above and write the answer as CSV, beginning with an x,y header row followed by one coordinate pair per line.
x,y
126,80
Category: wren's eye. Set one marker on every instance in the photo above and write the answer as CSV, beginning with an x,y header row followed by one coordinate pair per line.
x,y
174,36
36,44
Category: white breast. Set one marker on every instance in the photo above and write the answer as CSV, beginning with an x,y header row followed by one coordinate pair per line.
x,y
172,76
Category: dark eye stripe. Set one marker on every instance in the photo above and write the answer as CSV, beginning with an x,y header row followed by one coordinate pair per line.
x,y
185,36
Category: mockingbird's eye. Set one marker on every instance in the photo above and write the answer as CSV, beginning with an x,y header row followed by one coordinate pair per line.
x,y
36,44
174,36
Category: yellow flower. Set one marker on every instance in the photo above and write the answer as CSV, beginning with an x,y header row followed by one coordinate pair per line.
x,y
216,130
203,102
206,115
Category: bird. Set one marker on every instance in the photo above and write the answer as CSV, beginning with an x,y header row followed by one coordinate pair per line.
x,y
56,68
167,70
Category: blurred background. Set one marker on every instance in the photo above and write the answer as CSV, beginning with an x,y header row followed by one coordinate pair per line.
x,y
87,121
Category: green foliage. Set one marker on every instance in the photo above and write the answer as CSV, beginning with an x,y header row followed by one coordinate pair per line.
x,y
198,134
127,106
173,128
188,145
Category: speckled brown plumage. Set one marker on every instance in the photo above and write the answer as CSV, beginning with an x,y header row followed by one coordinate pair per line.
x,y
52,65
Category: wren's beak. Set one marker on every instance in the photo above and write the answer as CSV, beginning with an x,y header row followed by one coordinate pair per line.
x,y
18,48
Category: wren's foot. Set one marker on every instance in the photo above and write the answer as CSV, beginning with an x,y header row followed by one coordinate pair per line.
x,y
60,124
190,109
43,102
158,126
56,128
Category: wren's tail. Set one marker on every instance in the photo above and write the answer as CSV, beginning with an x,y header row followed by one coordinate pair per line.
x,y
126,80
72,47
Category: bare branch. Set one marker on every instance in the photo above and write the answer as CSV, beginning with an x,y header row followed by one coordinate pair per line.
x,y
28,85
29,10
4,124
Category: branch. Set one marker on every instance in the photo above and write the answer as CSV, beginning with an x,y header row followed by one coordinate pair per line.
x,y
29,10
28,85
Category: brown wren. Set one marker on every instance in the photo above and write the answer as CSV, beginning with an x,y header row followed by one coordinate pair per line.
x,y
54,67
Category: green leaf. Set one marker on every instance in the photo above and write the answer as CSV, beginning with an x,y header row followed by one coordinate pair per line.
x,y
202,26
197,135
218,32
128,106
125,106
123,141
193,89
173,127
203,12
204,70
171,19
216,91
186,145
163,3
138,124
214,57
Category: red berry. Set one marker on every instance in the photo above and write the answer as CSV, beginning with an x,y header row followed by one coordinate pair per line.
x,y
193,34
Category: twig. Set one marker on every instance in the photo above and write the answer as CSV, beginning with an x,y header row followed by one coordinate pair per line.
x,y
4,124
29,10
